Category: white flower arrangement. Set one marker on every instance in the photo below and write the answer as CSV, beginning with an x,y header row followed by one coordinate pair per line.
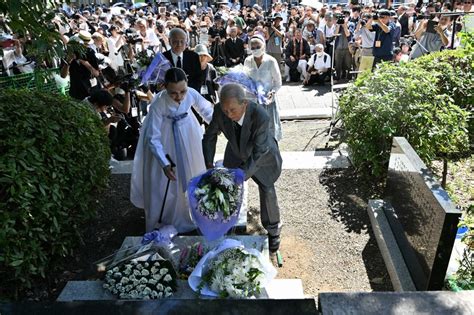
x,y
234,273
216,193
138,280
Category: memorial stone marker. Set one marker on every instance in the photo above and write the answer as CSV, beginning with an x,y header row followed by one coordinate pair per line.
x,y
424,220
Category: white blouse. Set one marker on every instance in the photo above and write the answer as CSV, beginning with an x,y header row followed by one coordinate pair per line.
x,y
268,74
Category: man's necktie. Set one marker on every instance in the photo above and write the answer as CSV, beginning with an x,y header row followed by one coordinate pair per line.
x,y
237,129
178,63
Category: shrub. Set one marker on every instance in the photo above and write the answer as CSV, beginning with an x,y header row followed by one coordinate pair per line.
x,y
54,160
414,100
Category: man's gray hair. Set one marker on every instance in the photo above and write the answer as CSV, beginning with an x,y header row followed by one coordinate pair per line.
x,y
177,31
321,46
232,91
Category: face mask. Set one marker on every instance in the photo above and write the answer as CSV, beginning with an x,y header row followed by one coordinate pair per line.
x,y
258,52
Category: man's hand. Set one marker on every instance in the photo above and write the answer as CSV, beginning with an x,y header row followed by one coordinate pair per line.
x,y
113,119
168,170
292,59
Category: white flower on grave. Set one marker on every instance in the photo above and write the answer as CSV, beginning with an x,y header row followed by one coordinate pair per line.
x,y
128,287
127,272
124,280
168,294
139,267
105,286
160,295
167,278
146,265
152,281
117,275
160,287
154,294
111,281
136,273
116,269
156,264
163,271
156,277
168,289
132,277
134,294
145,272
140,288
123,295
109,273
147,291
154,270
146,297
136,282
143,280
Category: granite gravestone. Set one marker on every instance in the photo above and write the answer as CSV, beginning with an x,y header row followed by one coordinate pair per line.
x,y
424,220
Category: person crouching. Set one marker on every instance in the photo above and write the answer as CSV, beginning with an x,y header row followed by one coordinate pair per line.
x,y
319,66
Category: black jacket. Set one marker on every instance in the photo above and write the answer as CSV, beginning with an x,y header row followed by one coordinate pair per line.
x,y
191,66
234,51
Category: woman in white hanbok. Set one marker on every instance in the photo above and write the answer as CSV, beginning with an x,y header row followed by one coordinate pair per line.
x,y
169,128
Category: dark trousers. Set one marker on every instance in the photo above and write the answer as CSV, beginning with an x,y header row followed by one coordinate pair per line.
x,y
269,209
379,59
342,63
318,78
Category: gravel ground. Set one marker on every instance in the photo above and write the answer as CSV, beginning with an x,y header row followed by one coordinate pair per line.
x,y
326,239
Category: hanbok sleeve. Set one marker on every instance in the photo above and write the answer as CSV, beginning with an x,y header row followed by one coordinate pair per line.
x,y
202,106
153,134
276,75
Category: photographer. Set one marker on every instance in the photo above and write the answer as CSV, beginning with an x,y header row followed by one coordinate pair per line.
x,y
101,101
364,39
432,34
342,55
274,33
83,68
328,30
384,31
217,36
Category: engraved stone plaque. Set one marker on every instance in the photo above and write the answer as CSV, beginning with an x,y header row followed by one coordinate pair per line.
x,y
424,220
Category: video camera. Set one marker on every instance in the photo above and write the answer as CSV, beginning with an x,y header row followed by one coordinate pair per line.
x,y
132,38
269,21
341,18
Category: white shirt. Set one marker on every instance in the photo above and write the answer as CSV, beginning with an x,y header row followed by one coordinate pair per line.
x,y
318,63
175,59
328,31
241,120
268,74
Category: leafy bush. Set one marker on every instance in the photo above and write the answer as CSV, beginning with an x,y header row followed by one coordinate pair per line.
x,y
54,160
414,100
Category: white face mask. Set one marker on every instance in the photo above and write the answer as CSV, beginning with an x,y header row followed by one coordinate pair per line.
x,y
258,52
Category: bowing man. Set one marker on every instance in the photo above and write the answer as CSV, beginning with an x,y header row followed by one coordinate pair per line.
x,y
251,147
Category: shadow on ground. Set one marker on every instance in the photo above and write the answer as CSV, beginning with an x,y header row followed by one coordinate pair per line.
x,y
348,197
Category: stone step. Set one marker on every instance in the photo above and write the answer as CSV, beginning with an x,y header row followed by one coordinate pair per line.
x,y
291,160
93,291
306,113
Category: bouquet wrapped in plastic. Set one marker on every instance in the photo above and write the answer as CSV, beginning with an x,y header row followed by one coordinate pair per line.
x,y
215,198
231,270
155,71
240,76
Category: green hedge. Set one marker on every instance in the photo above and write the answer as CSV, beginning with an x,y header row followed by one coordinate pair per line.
x,y
428,101
53,162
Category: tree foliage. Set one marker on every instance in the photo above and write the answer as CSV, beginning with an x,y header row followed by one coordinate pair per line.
x,y
54,161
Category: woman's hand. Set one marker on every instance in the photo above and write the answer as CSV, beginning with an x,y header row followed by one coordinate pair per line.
x,y
168,170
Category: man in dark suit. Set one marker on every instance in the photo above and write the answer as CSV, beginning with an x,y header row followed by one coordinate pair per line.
x,y
185,59
250,147
234,49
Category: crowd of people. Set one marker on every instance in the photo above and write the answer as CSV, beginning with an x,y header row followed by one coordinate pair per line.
x,y
282,43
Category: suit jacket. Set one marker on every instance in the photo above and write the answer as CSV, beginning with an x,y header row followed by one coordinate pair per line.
x,y
191,66
258,154
290,51
234,50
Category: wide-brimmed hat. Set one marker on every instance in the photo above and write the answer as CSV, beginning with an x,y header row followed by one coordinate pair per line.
x,y
201,50
85,36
